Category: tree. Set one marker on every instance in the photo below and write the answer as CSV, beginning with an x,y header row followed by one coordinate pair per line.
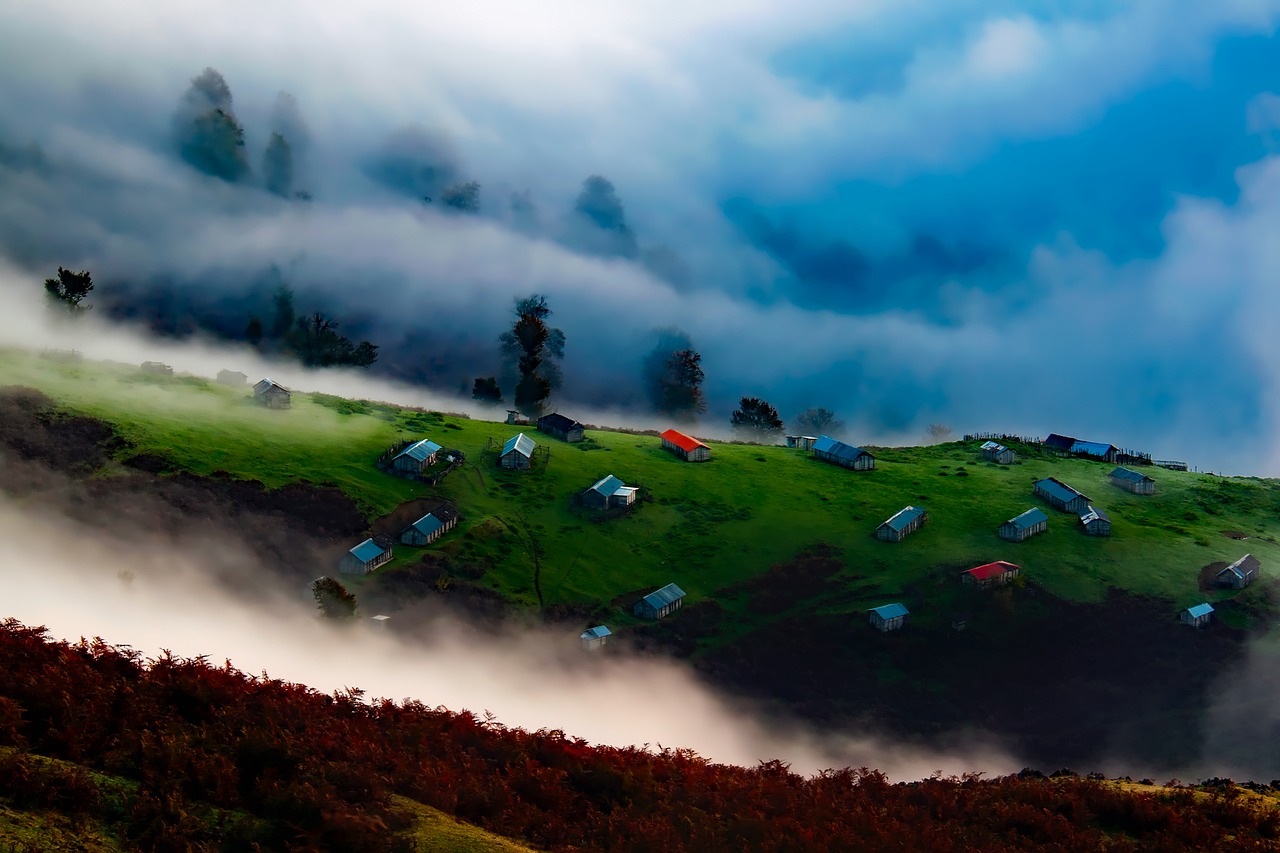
x,y
253,331
938,432
285,312
756,418
598,204
315,340
333,599
464,197
486,390
680,385
529,344
817,421
208,135
277,166
65,293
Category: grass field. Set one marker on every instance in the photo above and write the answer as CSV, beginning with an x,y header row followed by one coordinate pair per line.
x,y
706,525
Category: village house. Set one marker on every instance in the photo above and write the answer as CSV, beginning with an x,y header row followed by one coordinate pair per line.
x,y
660,602
431,526
380,621
1080,447
417,457
998,573
1239,574
1058,442
903,523
1025,526
846,455
558,426
366,557
1061,496
1197,616
155,368
609,492
1095,522
998,453
271,394
517,453
234,378
686,447
888,617
804,442
594,638
1132,481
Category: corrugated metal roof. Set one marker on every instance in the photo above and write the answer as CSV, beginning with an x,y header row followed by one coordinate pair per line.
x,y
599,632
991,445
265,383
366,551
839,449
890,611
684,442
662,597
1058,489
1244,567
428,524
991,570
1131,476
1200,610
608,485
1062,442
1092,513
521,444
1030,518
420,450
558,422
1092,448
903,517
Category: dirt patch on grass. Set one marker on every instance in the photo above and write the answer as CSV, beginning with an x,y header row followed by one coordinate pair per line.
x,y
681,633
786,585
393,523
433,587
33,430
1207,578
1235,534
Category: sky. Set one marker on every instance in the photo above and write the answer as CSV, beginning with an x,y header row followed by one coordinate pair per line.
x,y
1033,218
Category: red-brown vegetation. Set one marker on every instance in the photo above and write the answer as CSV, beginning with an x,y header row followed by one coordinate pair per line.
x,y
288,767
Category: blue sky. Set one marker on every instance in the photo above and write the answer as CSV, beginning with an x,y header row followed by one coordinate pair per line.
x,y
890,209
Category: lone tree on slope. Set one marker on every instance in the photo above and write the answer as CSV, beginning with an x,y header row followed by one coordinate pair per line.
x,y
531,344
65,293
756,418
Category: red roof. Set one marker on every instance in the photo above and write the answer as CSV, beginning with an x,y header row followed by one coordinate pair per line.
x,y
682,441
991,570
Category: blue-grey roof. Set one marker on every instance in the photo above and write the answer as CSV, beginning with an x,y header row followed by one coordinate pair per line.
x,y
1092,448
420,450
428,524
662,597
991,445
890,611
366,551
1057,489
609,485
1243,567
1200,610
599,632
903,517
520,443
1030,518
1092,513
1131,476
839,449
266,383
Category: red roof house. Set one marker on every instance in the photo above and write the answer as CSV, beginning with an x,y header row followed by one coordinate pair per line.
x,y
686,447
991,574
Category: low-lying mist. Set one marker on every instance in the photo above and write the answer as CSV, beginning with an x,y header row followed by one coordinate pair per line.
x,y
207,595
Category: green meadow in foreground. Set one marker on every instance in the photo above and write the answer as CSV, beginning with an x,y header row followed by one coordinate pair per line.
x,y
704,526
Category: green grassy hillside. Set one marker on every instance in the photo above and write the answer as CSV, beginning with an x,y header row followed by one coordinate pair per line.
x,y
708,525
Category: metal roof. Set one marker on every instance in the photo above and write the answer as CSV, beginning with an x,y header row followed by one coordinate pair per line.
x,y
991,570
367,550
684,442
890,611
903,517
599,632
609,485
991,445
662,597
420,450
1092,513
1200,610
521,444
265,384
1030,518
1244,567
428,524
1063,442
1131,476
1058,489
557,421
1092,448
827,444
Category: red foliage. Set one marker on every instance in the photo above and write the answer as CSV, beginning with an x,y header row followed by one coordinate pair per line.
x,y
313,771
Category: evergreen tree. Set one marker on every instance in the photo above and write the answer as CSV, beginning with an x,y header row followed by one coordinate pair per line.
x,y
65,293
681,385
755,418
277,166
